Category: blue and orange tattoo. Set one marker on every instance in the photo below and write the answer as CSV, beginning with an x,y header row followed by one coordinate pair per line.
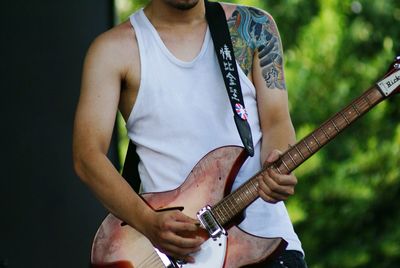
x,y
255,31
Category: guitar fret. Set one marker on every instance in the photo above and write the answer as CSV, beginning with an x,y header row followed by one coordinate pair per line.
x,y
326,133
224,216
238,198
254,184
283,161
301,155
246,191
363,104
217,212
224,208
291,157
355,109
308,147
242,197
337,129
316,140
230,206
367,100
345,118
249,191
277,168
235,207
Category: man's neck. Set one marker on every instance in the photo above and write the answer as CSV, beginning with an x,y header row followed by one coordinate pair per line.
x,y
162,13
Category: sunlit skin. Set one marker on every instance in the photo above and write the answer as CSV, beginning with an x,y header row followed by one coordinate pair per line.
x,y
182,4
110,82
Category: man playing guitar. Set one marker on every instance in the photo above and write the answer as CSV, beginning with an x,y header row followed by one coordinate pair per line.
x,y
160,71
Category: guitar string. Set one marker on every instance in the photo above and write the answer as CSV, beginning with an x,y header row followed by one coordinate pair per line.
x,y
321,136
152,261
339,122
335,121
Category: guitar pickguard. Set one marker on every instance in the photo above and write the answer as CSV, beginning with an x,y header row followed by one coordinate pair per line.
x,y
212,254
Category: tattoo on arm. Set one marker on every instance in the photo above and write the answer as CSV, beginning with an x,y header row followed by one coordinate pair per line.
x,y
252,30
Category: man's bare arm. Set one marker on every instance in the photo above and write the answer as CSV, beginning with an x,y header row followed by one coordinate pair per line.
x,y
103,71
272,100
94,122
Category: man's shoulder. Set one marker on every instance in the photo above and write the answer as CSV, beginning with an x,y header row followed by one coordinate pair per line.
x,y
116,37
250,23
115,45
250,30
245,10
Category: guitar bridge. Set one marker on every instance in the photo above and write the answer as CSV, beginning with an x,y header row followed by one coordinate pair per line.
x,y
209,223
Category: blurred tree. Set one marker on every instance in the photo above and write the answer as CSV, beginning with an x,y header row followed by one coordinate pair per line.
x,y
345,209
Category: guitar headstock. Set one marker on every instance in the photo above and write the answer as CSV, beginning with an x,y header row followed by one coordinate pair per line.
x,y
390,84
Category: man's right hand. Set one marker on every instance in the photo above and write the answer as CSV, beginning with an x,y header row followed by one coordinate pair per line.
x,y
173,233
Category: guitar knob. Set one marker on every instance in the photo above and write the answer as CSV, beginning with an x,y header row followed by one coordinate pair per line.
x,y
180,262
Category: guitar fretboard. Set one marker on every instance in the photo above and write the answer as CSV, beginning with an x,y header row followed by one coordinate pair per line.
x,y
233,204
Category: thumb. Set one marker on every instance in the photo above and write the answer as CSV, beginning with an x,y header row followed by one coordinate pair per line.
x,y
273,156
179,216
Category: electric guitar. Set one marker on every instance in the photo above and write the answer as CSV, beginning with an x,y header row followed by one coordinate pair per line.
x,y
206,195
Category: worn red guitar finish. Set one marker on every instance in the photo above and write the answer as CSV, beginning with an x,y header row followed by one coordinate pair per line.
x,y
210,182
207,184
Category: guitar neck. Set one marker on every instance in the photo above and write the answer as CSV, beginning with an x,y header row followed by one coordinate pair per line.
x,y
309,145
233,204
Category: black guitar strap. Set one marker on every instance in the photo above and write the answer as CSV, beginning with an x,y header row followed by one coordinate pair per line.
x,y
223,48
130,170
216,19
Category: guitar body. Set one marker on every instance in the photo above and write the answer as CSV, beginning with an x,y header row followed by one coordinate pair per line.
x,y
119,245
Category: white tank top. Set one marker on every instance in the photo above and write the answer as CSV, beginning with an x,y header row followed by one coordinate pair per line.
x,y
182,112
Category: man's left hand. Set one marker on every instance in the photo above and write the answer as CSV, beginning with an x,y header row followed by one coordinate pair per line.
x,y
273,186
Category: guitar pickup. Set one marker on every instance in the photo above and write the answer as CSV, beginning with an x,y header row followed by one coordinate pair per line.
x,y
209,223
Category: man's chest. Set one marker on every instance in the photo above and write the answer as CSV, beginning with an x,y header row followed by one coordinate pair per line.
x,y
184,44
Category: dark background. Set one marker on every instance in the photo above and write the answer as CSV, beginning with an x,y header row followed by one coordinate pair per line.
x,y
48,217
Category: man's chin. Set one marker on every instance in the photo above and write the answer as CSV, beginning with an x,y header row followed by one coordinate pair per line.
x,y
182,4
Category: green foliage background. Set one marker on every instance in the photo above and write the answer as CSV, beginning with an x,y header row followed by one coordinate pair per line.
x,y
346,209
